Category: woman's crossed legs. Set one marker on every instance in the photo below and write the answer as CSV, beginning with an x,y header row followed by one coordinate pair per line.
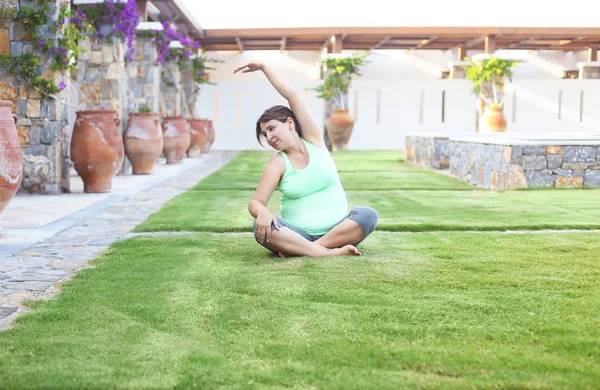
x,y
341,240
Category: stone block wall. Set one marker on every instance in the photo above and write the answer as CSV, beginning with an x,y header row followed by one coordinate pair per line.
x,y
428,151
500,167
190,93
170,88
42,127
144,76
590,70
101,75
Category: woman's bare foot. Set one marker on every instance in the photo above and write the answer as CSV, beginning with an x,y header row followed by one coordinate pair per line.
x,y
347,250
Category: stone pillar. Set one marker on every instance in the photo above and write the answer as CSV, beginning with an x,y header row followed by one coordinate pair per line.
x,y
101,75
190,93
144,76
42,126
589,70
170,88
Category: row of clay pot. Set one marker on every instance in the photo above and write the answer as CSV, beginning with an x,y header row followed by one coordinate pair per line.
x,y
97,147
145,139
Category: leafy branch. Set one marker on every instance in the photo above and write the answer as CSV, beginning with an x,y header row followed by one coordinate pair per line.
x,y
338,79
490,71
63,50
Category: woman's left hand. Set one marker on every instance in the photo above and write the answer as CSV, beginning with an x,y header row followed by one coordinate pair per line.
x,y
250,66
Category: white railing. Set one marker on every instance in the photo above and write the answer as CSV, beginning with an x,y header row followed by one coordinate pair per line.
x,y
385,111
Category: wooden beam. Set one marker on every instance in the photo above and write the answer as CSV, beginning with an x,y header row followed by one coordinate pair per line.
x,y
142,8
528,41
474,42
426,42
239,43
326,44
381,43
565,42
399,31
592,53
275,43
283,42
490,44
338,43
461,52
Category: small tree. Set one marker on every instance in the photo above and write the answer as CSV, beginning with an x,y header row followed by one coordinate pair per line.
x,y
338,80
490,71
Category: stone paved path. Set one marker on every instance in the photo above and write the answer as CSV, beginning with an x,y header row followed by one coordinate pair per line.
x,y
36,272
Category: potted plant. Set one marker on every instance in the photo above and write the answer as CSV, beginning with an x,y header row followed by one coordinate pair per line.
x,y
334,89
488,76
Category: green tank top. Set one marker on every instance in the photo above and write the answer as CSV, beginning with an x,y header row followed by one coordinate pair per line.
x,y
312,198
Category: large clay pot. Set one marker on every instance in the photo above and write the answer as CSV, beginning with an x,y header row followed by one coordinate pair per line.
x,y
198,137
176,136
210,136
97,148
339,128
492,120
11,162
143,141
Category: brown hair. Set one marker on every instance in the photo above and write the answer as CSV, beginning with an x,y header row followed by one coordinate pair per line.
x,y
280,113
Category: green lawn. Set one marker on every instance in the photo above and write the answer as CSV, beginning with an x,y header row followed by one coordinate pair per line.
x,y
419,309
406,198
351,180
399,210
346,162
451,310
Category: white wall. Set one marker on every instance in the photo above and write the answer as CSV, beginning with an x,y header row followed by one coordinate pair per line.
x,y
400,93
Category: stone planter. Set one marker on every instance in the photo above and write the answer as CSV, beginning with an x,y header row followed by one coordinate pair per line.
x,y
198,136
176,136
339,128
11,163
97,148
492,120
143,141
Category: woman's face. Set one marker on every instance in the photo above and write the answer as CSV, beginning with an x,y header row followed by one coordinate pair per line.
x,y
277,134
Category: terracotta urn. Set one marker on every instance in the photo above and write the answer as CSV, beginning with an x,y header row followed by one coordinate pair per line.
x,y
143,141
339,128
176,136
11,159
492,120
210,136
97,148
198,137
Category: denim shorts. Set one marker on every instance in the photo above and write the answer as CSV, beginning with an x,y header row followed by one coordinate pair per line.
x,y
365,217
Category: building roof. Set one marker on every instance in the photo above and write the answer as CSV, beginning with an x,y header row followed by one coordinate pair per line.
x,y
173,10
422,38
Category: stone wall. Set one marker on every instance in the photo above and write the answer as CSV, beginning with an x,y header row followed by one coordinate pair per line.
x,y
530,164
42,127
101,75
428,151
589,70
170,88
190,93
144,76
